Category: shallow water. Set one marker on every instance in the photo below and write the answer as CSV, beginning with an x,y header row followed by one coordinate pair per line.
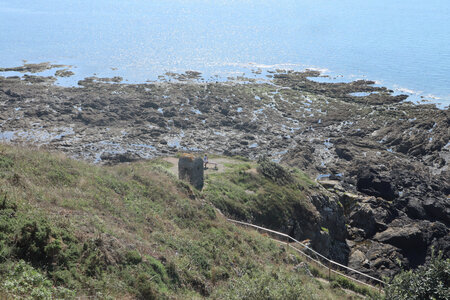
x,y
402,44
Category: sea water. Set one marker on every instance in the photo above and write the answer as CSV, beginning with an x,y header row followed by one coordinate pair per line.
x,y
402,44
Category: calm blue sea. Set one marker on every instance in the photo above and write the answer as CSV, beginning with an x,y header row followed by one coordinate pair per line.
x,y
403,44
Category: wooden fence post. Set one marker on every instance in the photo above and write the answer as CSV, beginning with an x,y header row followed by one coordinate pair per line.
x,y
329,271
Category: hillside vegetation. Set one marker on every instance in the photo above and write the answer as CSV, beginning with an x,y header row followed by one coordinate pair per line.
x,y
71,229
256,192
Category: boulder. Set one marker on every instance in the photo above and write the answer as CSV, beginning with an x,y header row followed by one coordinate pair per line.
x,y
115,158
402,237
328,236
371,183
414,209
438,210
343,153
331,184
363,217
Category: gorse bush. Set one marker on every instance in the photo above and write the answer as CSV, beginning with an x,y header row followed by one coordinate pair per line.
x,y
133,257
274,171
146,288
36,243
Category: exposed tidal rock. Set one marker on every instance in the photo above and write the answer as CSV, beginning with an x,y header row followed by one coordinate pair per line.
x,y
115,158
363,218
33,68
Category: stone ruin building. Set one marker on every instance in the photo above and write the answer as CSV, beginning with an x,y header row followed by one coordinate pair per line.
x,y
190,169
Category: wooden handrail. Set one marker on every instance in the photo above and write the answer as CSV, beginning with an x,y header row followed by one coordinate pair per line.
x,y
327,260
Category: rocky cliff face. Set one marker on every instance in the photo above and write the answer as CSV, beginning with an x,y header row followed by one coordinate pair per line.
x,y
399,209
323,224
330,239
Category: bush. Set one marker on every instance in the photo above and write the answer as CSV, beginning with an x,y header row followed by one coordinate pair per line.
x,y
431,281
266,286
274,171
23,280
218,274
133,257
346,283
36,244
5,162
145,288
172,272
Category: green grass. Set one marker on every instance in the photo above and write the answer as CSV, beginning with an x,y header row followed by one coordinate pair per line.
x,y
243,193
70,229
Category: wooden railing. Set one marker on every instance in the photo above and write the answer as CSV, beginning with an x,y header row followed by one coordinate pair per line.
x,y
319,259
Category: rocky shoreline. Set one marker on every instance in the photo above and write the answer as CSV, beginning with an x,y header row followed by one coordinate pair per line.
x,y
385,159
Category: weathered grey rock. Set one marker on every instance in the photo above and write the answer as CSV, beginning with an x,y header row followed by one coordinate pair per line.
x,y
331,184
115,158
363,217
376,259
371,183
415,209
357,258
331,218
191,169
343,153
402,237
437,209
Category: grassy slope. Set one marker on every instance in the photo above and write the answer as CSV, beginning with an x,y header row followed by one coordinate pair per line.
x,y
130,231
242,192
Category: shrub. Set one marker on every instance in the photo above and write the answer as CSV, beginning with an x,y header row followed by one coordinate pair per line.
x,y
5,162
145,287
35,242
315,272
342,282
133,257
274,171
218,274
157,267
172,272
267,286
94,264
431,281
23,280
